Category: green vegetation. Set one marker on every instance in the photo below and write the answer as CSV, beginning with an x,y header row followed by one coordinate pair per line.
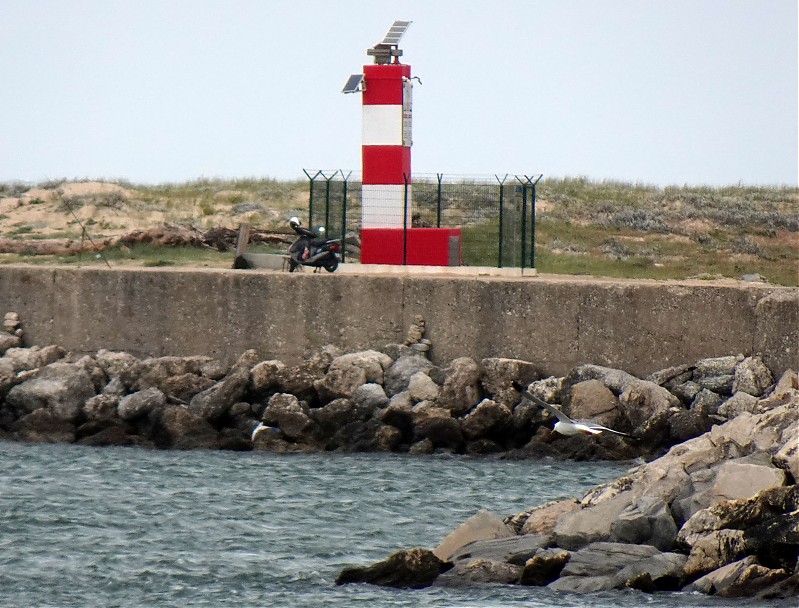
x,y
582,227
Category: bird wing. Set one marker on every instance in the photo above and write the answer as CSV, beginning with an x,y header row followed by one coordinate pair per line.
x,y
546,406
599,427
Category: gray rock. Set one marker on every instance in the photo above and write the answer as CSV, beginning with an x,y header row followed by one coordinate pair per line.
x,y
499,374
460,390
687,391
480,571
716,366
641,400
398,375
543,518
443,432
591,524
179,428
115,363
214,402
486,419
513,549
265,375
603,566
101,407
63,388
340,382
333,416
422,388
8,341
367,399
718,384
707,401
288,414
616,380
43,426
34,357
592,400
752,376
481,526
739,403
646,522
140,403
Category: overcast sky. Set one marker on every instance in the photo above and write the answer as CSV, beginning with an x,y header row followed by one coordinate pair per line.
x,y
661,91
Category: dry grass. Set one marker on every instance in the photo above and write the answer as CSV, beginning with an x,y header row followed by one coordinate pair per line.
x,y
584,227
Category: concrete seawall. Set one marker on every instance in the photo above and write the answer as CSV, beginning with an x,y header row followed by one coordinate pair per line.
x,y
556,323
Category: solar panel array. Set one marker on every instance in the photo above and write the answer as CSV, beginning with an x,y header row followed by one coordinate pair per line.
x,y
395,32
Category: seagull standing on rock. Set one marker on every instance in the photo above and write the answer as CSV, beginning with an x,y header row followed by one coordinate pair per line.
x,y
567,426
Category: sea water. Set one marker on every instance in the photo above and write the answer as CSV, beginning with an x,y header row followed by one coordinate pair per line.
x,y
103,527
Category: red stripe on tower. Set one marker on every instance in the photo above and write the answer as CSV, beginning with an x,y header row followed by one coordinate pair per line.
x,y
386,152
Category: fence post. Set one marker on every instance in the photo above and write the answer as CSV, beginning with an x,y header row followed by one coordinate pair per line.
x,y
310,194
501,217
524,223
344,217
439,176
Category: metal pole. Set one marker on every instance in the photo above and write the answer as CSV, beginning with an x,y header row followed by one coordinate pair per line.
x,y
501,216
524,223
344,217
310,194
440,176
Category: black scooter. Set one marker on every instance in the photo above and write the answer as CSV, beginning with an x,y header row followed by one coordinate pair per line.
x,y
311,249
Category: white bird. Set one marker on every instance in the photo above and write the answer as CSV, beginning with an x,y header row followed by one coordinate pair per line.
x,y
567,426
261,427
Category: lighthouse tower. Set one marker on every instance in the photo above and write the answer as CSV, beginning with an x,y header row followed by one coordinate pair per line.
x,y
386,88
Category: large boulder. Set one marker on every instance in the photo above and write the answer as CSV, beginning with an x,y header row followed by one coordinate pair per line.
x,y
422,388
43,426
592,400
140,403
412,569
34,357
742,578
766,525
63,388
265,375
482,526
488,419
347,372
180,428
398,376
602,566
460,390
367,399
289,415
214,402
500,374
591,524
752,376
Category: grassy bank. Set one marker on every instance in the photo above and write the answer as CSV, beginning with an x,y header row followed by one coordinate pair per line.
x,y
583,226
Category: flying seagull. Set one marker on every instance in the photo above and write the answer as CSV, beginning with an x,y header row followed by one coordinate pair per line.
x,y
567,426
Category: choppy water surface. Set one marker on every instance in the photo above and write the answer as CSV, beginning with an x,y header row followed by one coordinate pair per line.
x,y
129,527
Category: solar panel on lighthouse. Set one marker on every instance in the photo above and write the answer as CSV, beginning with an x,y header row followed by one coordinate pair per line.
x,y
395,32
353,84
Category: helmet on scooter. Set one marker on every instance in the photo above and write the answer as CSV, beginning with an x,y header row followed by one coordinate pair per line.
x,y
294,222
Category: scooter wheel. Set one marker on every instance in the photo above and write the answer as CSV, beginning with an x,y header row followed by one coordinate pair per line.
x,y
331,267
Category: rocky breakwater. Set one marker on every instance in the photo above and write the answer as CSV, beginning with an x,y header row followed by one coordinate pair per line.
x,y
716,514
391,399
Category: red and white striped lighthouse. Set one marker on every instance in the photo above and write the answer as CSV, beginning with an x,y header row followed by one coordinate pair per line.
x,y
386,153
386,89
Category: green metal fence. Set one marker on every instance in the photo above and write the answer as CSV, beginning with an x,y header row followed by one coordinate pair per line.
x,y
496,217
